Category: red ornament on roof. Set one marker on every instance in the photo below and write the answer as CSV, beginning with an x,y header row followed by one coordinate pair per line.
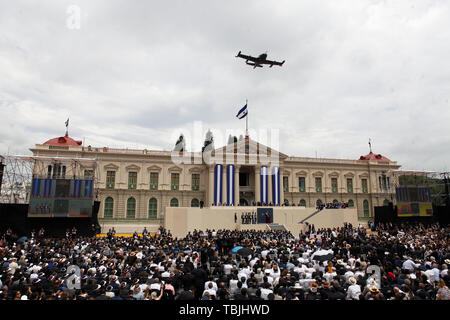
x,y
63,141
374,157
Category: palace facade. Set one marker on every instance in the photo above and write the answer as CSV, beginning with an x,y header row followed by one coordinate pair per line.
x,y
140,184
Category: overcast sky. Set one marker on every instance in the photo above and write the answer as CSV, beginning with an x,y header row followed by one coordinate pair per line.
x,y
138,73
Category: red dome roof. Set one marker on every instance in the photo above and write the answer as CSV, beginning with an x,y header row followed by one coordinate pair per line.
x,y
374,157
63,141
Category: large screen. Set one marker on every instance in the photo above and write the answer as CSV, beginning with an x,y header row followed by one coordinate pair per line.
x,y
61,198
414,202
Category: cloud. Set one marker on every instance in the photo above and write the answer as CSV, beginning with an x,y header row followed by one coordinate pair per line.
x,y
136,74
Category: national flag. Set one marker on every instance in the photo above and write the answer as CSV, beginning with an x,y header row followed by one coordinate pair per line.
x,y
243,112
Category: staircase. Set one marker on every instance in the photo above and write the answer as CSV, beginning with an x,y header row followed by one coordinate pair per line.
x,y
310,216
276,227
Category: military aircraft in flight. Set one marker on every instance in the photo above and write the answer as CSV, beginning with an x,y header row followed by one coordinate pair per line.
x,y
258,61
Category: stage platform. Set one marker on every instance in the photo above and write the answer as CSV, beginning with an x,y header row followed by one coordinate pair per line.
x,y
181,220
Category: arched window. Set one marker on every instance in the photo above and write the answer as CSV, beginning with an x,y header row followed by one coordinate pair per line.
x,y
195,203
366,208
302,203
286,202
351,203
109,206
174,202
131,208
318,202
386,202
152,208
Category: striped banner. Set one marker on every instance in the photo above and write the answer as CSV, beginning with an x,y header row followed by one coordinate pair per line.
x,y
77,188
264,185
48,183
230,184
41,188
218,184
36,187
89,189
276,186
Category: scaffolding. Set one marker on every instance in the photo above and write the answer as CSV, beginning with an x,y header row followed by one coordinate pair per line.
x,y
17,175
20,170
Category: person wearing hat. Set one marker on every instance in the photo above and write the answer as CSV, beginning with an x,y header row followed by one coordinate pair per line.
x,y
313,293
353,290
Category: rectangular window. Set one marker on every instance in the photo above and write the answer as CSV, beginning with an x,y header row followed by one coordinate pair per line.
x,y
110,179
365,189
154,180
195,181
334,185
286,184
132,180
175,181
302,184
318,184
349,185
88,174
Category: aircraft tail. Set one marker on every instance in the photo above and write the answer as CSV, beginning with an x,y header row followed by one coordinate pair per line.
x,y
282,62
239,53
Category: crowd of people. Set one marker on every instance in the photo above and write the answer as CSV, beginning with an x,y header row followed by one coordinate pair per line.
x,y
332,205
397,262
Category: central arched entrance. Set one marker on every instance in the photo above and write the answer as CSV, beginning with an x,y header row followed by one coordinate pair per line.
x,y
243,202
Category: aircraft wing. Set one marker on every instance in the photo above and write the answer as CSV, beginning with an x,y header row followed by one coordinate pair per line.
x,y
275,63
243,56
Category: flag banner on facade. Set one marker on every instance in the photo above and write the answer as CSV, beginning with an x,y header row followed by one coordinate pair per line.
x,y
243,112
264,185
230,184
218,184
276,185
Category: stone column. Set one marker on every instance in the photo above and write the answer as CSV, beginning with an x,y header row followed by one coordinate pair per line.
x,y
257,183
210,197
269,185
236,184
282,186
224,184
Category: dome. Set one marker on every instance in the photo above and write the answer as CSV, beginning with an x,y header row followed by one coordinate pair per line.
x,y
374,157
63,141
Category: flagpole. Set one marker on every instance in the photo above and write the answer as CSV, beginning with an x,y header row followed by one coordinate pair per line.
x,y
246,120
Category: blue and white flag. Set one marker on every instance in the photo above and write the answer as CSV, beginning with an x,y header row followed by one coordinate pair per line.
x,y
243,112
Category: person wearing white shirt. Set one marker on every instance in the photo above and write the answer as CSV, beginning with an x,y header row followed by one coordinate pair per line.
x,y
436,272
409,265
253,262
444,271
353,290
349,274
265,291
227,268
275,272
233,283
270,280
